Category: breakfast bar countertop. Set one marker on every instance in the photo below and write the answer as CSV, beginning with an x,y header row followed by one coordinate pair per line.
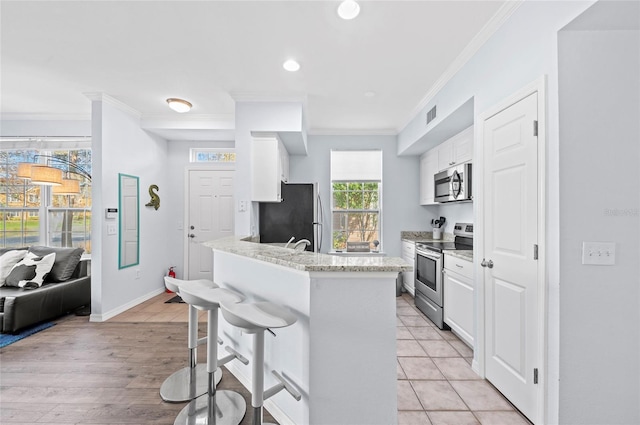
x,y
305,260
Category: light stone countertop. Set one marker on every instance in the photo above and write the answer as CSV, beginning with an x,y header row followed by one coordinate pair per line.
x,y
419,236
460,253
308,261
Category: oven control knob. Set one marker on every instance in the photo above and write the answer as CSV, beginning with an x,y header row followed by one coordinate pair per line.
x,y
487,263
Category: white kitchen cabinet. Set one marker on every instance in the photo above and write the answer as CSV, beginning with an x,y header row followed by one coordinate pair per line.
x,y
270,167
456,150
409,255
428,167
457,280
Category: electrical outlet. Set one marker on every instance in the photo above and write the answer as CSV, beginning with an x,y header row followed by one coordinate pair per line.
x,y
137,273
599,253
242,206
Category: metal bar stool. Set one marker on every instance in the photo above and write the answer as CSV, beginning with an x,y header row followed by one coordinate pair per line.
x,y
215,407
190,381
254,319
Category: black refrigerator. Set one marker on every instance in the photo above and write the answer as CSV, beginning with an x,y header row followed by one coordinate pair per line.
x,y
299,215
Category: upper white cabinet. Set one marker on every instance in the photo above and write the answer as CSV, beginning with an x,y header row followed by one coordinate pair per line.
x,y
270,167
428,167
456,150
451,152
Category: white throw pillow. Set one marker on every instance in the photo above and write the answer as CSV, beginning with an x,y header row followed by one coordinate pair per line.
x,y
31,271
8,260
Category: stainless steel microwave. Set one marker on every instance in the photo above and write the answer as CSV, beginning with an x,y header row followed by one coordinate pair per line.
x,y
453,184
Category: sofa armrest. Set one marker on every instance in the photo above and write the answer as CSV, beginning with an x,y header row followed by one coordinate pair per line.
x,y
47,302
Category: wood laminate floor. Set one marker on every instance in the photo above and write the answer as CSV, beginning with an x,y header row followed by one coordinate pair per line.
x,y
79,372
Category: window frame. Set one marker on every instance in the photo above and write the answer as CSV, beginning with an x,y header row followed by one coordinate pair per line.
x,y
348,211
46,202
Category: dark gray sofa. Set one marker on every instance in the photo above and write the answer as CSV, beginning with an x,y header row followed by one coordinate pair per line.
x,y
21,308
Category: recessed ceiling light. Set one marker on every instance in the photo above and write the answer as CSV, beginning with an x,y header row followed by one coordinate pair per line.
x,y
291,65
369,94
179,105
348,9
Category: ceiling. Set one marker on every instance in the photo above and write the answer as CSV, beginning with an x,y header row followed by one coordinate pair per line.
x,y
369,75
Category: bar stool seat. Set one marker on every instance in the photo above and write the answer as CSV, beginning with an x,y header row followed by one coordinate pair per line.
x,y
215,407
257,316
254,319
190,381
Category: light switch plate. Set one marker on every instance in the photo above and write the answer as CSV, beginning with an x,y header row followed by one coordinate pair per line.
x,y
111,229
599,253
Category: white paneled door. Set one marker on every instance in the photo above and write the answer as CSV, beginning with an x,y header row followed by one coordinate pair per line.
x,y
210,217
510,175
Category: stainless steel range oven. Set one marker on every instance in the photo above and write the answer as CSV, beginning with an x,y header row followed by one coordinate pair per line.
x,y
428,271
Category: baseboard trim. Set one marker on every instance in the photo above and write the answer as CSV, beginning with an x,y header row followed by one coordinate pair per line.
x,y
108,315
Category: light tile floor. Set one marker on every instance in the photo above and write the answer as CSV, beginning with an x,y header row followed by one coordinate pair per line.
x,y
436,385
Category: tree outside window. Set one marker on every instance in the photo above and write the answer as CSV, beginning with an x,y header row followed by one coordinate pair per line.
x,y
356,213
23,205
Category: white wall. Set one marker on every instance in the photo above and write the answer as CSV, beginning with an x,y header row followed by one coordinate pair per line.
x,y
121,146
177,162
599,83
454,213
43,127
400,184
521,51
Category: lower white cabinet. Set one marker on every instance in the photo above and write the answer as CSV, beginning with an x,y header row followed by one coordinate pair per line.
x,y
457,280
409,255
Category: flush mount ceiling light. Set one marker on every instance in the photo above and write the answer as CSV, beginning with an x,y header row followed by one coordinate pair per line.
x,y
179,105
348,9
291,65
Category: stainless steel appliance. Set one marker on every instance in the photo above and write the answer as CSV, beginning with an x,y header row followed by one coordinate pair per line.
x,y
298,216
428,271
453,184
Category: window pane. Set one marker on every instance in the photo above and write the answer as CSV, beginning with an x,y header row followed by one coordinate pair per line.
x,y
339,240
340,221
20,201
19,228
355,200
340,200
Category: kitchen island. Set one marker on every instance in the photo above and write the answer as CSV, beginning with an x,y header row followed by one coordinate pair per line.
x,y
341,353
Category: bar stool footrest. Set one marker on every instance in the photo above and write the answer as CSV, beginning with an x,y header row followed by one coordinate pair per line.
x,y
282,385
234,355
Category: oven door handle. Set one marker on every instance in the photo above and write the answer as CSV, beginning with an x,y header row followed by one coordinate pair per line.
x,y
432,256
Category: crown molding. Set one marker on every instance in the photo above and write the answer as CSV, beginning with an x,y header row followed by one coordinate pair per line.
x,y
103,97
44,117
487,31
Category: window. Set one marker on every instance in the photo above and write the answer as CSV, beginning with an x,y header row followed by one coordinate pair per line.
x,y
213,155
356,187
32,214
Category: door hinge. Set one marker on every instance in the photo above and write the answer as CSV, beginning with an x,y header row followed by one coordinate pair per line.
x,y
535,128
535,251
535,375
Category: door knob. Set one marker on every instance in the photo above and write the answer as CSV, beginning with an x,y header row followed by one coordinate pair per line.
x,y
191,235
191,227
487,263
